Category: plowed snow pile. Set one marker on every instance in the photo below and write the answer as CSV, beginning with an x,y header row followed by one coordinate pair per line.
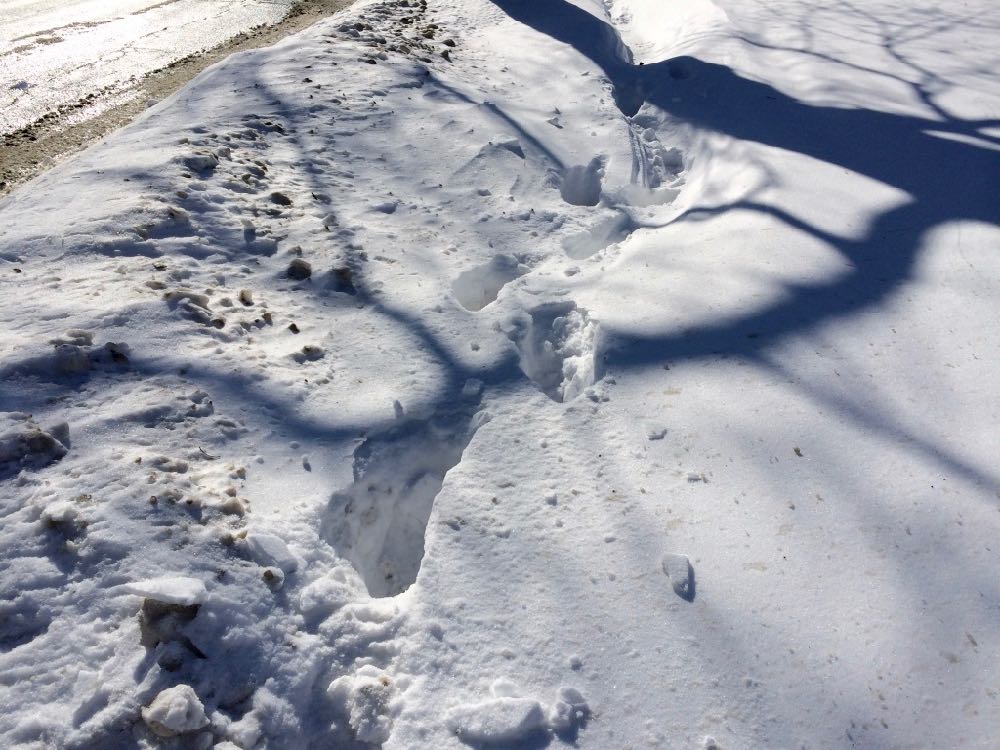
x,y
517,374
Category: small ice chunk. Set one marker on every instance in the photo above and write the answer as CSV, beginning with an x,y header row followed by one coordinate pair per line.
x,y
175,711
496,721
170,590
267,549
679,571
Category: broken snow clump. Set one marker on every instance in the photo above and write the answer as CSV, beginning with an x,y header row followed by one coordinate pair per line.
x,y
569,711
24,444
368,698
175,711
179,590
497,721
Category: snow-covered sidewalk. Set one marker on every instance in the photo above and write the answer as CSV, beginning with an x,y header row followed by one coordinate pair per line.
x,y
517,374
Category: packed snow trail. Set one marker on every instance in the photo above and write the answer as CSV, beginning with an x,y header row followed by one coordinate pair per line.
x,y
516,374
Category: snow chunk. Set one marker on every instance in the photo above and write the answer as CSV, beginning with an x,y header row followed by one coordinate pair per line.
x,y
496,721
267,549
569,710
201,162
25,443
367,698
681,575
170,590
175,711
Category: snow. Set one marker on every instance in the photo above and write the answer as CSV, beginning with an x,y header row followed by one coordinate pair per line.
x,y
496,721
681,575
175,711
269,549
66,52
170,590
624,377
367,699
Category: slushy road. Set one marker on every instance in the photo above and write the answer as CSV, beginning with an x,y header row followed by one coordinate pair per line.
x,y
57,53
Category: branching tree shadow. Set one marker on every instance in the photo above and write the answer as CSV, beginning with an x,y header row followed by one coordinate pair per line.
x,y
947,167
946,180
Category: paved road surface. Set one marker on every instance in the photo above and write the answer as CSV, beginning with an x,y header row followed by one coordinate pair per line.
x,y
55,53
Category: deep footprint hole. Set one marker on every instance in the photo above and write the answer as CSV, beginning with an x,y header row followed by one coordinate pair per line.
x,y
378,522
581,185
558,349
480,286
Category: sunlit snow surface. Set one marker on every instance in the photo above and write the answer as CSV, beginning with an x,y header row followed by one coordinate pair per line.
x,y
56,52
517,374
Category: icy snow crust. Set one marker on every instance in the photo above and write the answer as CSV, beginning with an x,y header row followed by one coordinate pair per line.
x,y
517,374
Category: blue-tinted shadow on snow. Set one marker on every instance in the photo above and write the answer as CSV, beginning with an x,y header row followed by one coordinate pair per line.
x,y
949,168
